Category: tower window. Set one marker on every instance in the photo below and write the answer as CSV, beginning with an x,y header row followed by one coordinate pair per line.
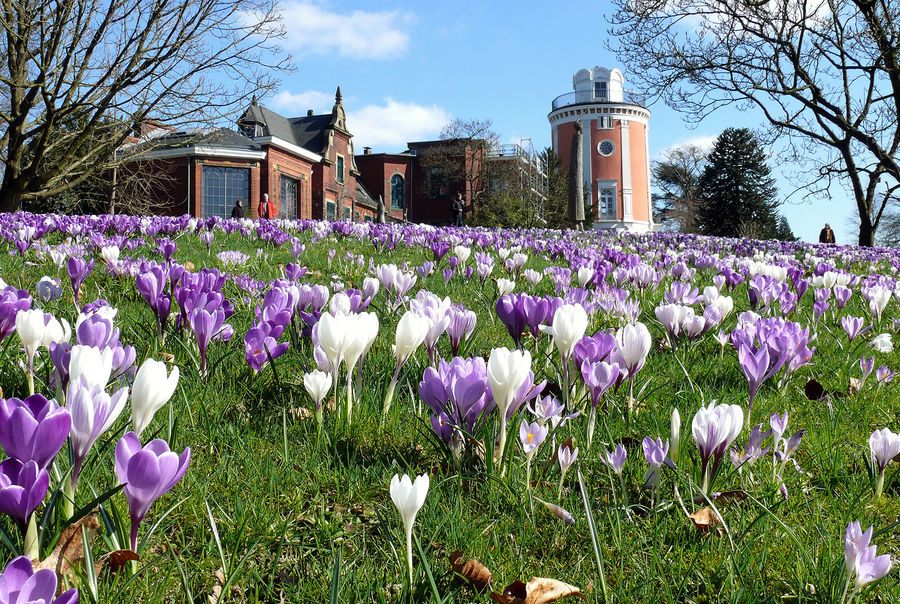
x,y
340,169
600,92
606,148
608,202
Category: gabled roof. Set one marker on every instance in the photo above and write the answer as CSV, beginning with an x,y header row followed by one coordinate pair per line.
x,y
306,131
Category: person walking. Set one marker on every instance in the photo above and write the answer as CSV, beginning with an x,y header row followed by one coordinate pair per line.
x,y
826,235
238,210
457,207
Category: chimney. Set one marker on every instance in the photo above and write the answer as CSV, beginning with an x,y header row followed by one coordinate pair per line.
x,y
367,150
309,112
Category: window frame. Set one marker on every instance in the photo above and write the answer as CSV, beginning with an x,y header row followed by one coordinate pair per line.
x,y
398,201
613,187
339,168
220,181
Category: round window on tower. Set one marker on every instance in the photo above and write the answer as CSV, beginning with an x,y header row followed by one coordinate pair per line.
x,y
606,148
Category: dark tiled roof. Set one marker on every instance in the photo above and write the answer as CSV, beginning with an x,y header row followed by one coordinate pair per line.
x,y
307,131
220,137
363,196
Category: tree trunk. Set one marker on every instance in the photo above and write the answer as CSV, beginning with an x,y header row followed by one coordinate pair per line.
x,y
10,195
866,231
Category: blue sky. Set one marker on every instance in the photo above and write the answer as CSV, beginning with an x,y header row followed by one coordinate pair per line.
x,y
407,68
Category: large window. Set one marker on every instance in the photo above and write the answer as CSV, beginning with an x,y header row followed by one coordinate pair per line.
x,y
290,196
340,169
437,184
222,187
607,202
329,210
397,192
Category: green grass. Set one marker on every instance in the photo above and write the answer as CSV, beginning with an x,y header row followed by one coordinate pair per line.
x,y
288,515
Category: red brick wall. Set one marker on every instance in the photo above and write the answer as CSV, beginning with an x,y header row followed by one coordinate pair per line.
x,y
376,172
280,162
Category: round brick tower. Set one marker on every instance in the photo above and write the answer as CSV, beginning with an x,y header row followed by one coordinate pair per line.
x,y
616,150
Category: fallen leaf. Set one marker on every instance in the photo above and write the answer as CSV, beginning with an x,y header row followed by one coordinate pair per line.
x,y
216,594
540,590
472,570
69,550
301,412
167,357
115,561
188,266
705,519
854,386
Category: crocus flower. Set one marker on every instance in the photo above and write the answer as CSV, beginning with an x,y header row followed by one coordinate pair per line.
x,y
462,324
507,371
531,436
91,363
148,472
12,301
151,390
409,497
615,460
78,271
33,429
882,343
206,325
505,286
884,446
23,487
714,428
633,342
861,559
753,451
21,584
31,328
48,289
853,326
656,453
93,413
569,324
566,456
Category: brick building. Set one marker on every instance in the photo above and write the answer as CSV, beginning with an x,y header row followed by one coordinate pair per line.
x,y
305,165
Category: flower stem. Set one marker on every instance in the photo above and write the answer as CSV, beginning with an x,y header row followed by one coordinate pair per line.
x,y
846,587
879,484
349,396
69,498
389,396
592,420
32,545
409,554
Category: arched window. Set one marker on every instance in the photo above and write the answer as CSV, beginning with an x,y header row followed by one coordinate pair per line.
x,y
396,192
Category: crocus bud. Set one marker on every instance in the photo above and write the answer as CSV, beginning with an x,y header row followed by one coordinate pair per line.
x,y
675,438
411,331
317,384
93,364
505,286
151,390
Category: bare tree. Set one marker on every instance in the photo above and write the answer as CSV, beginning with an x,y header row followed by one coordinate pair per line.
x,y
78,77
824,73
458,160
677,176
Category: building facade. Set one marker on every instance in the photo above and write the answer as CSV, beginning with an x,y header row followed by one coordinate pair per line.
x,y
615,146
305,165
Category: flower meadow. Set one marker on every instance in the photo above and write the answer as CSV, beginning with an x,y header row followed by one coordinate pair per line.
x,y
273,411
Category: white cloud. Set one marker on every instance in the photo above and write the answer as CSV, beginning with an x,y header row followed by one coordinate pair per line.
x,y
704,141
312,29
394,124
297,103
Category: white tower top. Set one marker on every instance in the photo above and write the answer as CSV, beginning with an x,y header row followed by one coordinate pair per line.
x,y
598,84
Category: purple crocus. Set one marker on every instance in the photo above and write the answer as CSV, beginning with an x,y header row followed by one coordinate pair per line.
x,y
148,473
511,311
34,429
656,453
206,325
78,271
21,584
12,301
853,326
93,413
615,460
462,324
23,487
861,559
260,343
757,368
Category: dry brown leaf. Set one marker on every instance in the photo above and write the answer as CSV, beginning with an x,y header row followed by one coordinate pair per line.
x,y
472,570
705,519
115,561
854,386
167,357
69,550
188,266
301,412
540,590
216,594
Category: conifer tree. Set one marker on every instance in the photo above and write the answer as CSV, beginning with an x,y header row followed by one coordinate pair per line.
x,y
737,190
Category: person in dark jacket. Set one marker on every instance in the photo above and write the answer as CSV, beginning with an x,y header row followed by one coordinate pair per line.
x,y
238,210
457,207
826,235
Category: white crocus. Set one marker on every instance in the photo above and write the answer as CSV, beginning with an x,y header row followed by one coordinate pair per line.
x,y
507,370
882,343
412,329
569,324
463,253
505,286
31,329
585,274
317,384
151,390
110,254
409,497
332,335
93,364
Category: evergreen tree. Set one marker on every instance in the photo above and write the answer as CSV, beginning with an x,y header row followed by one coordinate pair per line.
x,y
737,190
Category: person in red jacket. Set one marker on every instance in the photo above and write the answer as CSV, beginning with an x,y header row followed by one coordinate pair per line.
x,y
266,208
